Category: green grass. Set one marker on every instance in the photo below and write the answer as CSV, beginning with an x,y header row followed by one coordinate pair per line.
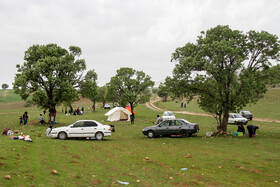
x,y
7,96
221,161
267,107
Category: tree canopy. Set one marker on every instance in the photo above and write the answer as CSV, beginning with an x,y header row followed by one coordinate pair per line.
x,y
225,69
130,86
5,86
88,87
50,74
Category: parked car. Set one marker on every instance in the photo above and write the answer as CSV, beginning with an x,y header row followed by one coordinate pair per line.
x,y
82,129
246,114
168,115
237,119
107,106
171,127
115,105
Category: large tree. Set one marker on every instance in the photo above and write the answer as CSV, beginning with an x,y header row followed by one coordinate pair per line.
x,y
102,92
131,86
50,74
225,68
163,92
88,87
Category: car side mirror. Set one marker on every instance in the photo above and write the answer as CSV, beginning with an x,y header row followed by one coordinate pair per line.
x,y
71,126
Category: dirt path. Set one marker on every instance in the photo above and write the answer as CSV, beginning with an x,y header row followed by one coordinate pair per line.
x,y
153,107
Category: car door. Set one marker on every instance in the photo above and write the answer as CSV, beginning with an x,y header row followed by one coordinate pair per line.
x,y
76,130
90,128
172,127
163,128
175,127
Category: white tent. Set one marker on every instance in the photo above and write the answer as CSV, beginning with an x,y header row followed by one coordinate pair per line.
x,y
118,114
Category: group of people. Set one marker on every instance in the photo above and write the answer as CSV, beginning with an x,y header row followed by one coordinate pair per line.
x,y
23,119
71,111
251,130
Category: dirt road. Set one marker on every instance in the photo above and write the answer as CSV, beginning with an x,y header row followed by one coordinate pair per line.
x,y
153,107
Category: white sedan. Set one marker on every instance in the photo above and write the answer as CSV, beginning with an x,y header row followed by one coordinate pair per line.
x,y
168,115
237,119
82,129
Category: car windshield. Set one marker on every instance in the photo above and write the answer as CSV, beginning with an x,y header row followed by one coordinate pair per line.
x,y
237,116
246,112
164,123
168,113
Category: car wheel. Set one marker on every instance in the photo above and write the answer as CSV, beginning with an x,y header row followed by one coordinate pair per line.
x,y
62,136
151,134
99,136
184,134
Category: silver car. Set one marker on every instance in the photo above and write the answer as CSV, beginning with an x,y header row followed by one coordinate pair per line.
x,y
171,127
246,114
82,129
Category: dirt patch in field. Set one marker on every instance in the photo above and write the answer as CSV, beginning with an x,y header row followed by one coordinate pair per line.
x,y
12,105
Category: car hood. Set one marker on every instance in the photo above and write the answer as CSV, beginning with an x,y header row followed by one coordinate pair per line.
x,y
151,127
60,128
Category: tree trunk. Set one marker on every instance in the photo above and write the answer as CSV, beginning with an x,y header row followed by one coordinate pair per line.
x,y
224,122
93,106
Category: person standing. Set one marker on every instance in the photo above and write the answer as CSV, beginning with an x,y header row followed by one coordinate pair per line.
x,y
25,118
52,119
132,118
65,110
252,130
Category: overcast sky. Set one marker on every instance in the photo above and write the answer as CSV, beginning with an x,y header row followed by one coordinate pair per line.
x,y
141,34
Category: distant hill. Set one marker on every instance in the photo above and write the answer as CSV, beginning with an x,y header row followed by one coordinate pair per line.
x,y
8,95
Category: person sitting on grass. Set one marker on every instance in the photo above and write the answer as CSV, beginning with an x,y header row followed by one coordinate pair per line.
x,y
49,130
241,129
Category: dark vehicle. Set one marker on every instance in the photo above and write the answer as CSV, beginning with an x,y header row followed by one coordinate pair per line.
x,y
246,114
172,127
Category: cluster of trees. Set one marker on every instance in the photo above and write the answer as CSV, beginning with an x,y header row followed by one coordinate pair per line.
x,y
54,76
225,69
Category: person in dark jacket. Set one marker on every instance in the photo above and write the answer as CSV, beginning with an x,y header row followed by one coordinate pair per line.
x,y
25,118
241,129
252,130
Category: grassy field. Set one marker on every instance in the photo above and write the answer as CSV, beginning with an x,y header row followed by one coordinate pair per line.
x,y
219,161
267,107
7,96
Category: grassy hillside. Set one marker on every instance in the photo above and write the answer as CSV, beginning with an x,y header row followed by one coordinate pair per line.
x,y
7,96
267,107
